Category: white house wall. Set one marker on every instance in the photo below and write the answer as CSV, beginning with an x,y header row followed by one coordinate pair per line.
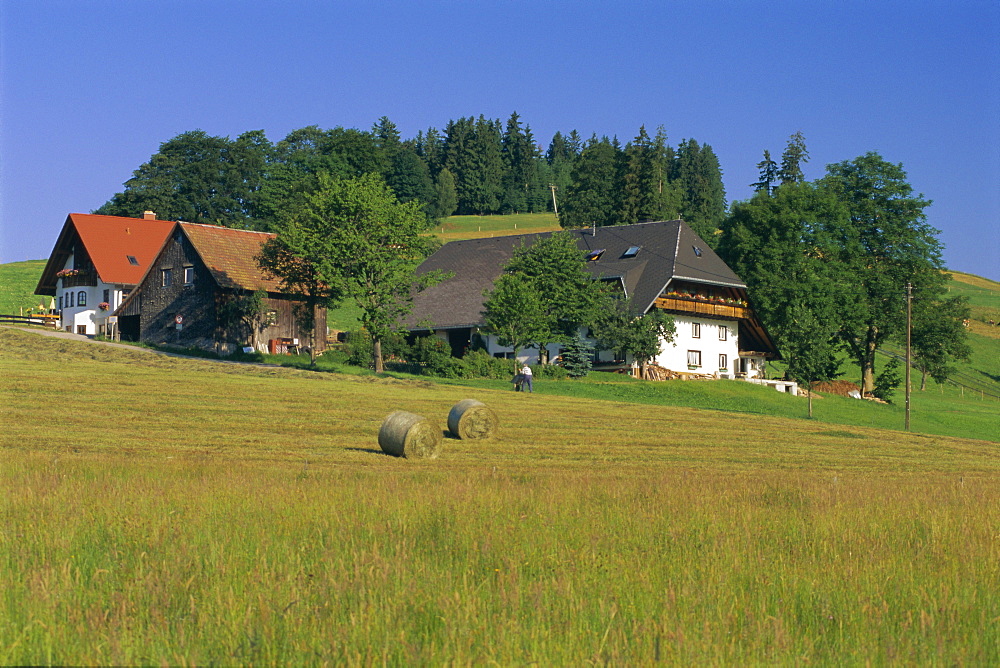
x,y
89,317
708,343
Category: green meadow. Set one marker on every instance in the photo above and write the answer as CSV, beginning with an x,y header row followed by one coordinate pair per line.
x,y
473,227
171,510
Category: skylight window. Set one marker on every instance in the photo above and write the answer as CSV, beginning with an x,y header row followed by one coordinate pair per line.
x,y
697,250
594,256
132,261
632,251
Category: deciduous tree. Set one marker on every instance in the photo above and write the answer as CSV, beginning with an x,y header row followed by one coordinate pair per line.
x,y
885,244
355,235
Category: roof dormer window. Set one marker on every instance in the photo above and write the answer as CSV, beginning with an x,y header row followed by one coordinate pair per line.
x,y
632,251
132,261
595,255
697,250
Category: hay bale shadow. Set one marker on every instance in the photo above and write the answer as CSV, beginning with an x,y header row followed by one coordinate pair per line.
x,y
371,451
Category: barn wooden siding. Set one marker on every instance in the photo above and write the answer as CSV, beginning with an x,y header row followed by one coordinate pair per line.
x,y
156,306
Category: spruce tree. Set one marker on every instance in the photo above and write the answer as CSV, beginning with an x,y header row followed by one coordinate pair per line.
x,y
699,177
794,156
594,193
768,170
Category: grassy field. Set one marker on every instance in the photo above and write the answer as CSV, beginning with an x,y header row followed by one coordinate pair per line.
x,y
183,511
474,227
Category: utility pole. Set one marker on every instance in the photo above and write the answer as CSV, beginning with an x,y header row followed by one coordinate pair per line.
x,y
909,310
554,206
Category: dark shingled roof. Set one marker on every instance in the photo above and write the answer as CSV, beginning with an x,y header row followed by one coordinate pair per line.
x,y
667,252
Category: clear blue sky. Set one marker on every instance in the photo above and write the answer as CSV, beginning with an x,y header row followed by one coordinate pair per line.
x,y
89,89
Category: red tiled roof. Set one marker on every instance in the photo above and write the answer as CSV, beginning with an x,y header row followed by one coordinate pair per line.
x,y
231,255
109,241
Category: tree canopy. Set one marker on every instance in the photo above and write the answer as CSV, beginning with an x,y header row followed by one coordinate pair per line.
x,y
354,236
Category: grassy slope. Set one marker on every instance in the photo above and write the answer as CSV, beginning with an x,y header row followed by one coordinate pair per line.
x,y
17,286
185,511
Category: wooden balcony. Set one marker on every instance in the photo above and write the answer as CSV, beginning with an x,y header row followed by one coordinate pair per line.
x,y
702,307
81,278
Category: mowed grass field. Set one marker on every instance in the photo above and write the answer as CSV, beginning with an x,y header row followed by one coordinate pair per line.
x,y
473,227
163,510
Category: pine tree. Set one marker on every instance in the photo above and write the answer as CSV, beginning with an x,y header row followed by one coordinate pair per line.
x,y
699,177
594,194
792,159
520,171
768,175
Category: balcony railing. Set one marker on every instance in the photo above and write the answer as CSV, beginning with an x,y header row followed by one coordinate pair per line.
x,y
702,307
80,278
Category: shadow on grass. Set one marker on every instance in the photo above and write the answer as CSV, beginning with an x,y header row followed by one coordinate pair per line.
x,y
371,451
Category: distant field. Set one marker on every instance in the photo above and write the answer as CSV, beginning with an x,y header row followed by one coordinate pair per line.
x,y
195,512
474,227
984,300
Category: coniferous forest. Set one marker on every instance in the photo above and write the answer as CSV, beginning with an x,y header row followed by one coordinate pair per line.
x,y
474,166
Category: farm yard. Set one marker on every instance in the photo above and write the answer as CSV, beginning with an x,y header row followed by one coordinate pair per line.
x,y
172,510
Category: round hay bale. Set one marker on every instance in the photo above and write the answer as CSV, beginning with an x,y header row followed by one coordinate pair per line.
x,y
407,435
471,419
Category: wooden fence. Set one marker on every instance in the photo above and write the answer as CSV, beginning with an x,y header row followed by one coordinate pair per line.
x,y
40,319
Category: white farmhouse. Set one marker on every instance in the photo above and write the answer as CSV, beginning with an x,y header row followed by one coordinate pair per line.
x,y
96,261
659,265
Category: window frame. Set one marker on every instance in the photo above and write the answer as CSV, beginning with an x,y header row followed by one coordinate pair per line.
x,y
167,277
723,333
189,275
81,298
694,358
723,362
695,330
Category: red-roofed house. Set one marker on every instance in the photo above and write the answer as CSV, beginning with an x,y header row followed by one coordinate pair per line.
x,y
197,269
96,262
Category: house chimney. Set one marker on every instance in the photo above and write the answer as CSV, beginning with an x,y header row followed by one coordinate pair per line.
x,y
149,215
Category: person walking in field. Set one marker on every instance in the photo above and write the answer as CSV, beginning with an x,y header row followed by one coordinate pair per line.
x,y
526,378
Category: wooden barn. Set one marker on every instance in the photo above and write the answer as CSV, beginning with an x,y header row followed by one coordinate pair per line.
x,y
190,290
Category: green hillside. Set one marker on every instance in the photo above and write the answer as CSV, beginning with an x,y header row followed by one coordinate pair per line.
x,y
17,286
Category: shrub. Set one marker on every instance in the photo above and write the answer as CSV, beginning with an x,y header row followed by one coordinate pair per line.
x,y
480,364
550,371
887,381
359,349
434,357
